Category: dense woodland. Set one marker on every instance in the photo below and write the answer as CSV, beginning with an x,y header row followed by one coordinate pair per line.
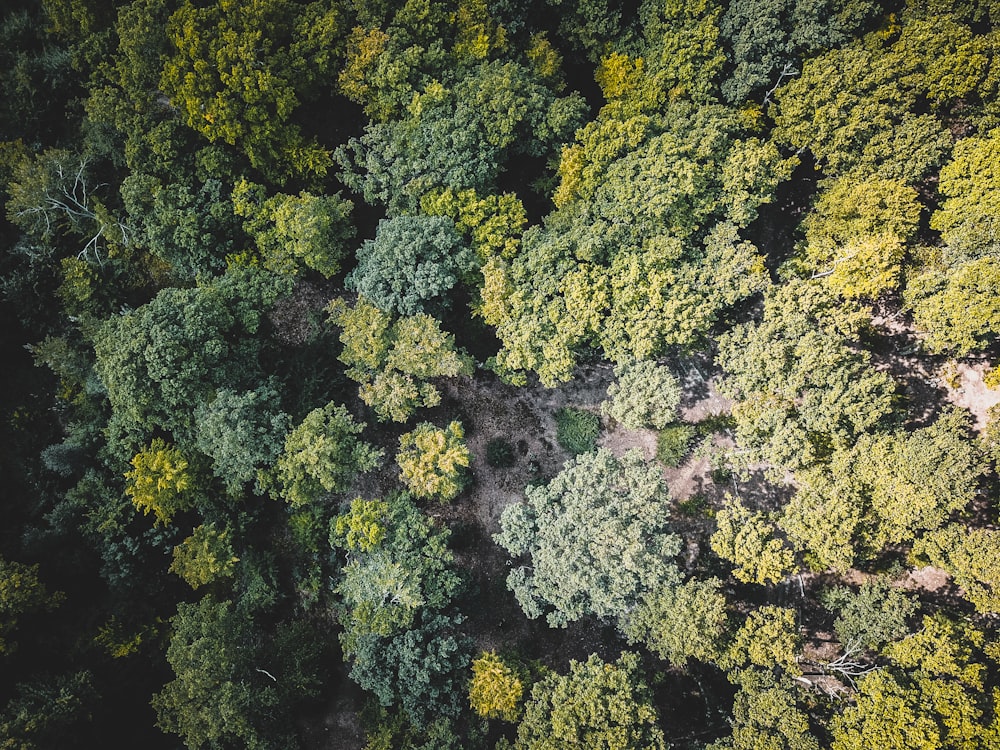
x,y
527,374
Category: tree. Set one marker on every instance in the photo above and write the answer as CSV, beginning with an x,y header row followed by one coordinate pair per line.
x,y
496,689
49,711
857,232
21,593
597,705
411,264
432,461
162,360
971,557
767,715
160,482
232,683
645,395
204,557
597,538
421,669
748,539
887,489
768,638
956,308
931,695
242,433
875,615
238,73
322,454
394,359
801,390
294,230
398,566
688,621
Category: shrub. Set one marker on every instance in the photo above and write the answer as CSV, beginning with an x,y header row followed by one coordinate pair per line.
x,y
577,430
500,453
673,444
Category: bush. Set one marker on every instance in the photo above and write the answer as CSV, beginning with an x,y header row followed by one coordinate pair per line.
x,y
500,453
577,430
673,444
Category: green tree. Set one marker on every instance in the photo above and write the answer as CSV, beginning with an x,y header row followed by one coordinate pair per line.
x,y
769,638
749,540
204,557
931,695
597,705
21,593
322,455
801,389
49,711
162,360
398,566
645,394
956,308
971,557
160,482
597,539
238,73
411,265
873,616
433,461
688,621
294,230
767,715
232,683
241,432
393,360
496,689
857,232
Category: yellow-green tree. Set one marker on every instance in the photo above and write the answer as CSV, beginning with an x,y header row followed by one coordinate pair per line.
x,y
432,461
160,481
205,556
496,688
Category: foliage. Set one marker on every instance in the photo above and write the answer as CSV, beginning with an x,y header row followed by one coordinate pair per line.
x,y
688,621
500,453
394,359
412,263
237,73
577,430
160,361
768,638
160,482
48,711
800,388
432,461
673,443
873,616
241,432
496,689
967,215
956,308
623,503
421,669
645,395
322,454
597,705
399,566
493,224
749,540
21,593
220,693
204,557
767,715
970,556
931,696
289,230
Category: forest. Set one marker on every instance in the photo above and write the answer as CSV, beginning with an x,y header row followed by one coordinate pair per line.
x,y
500,374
